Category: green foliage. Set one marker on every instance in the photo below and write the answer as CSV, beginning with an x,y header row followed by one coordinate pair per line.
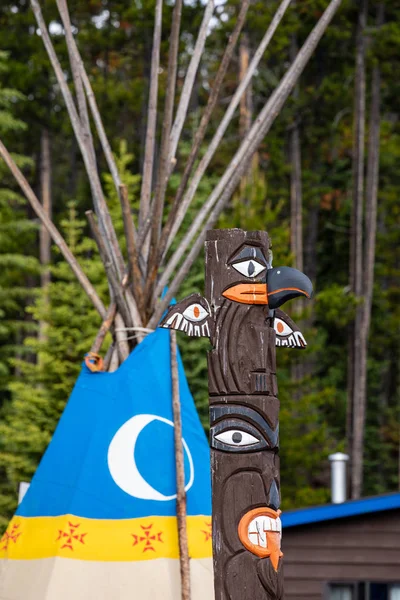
x,y
18,265
42,387
115,40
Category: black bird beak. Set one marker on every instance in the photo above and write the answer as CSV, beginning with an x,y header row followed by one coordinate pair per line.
x,y
285,283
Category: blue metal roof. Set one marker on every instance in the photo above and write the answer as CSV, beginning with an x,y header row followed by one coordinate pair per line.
x,y
352,508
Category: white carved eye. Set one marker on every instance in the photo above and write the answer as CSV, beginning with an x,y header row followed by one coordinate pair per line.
x,y
249,268
234,437
195,312
281,327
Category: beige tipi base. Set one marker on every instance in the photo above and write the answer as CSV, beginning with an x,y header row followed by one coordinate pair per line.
x,y
66,579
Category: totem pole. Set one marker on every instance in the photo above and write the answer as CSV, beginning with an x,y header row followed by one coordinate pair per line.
x,y
241,316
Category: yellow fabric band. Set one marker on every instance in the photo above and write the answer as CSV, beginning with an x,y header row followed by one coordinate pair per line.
x,y
103,540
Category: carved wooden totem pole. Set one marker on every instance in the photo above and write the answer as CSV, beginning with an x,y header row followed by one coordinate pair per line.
x,y
240,314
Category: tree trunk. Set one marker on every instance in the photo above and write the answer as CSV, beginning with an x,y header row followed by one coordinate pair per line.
x,y
296,209
246,114
45,239
246,99
369,249
356,407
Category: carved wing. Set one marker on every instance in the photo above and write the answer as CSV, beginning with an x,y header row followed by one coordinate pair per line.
x,y
191,315
287,332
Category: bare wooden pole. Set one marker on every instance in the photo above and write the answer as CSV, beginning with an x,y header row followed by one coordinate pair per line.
x,y
105,328
52,229
356,253
223,125
114,361
238,165
180,474
116,286
122,339
145,193
83,135
189,82
76,74
201,131
133,259
101,208
163,171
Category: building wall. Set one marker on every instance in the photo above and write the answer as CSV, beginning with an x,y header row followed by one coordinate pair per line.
x,y
364,548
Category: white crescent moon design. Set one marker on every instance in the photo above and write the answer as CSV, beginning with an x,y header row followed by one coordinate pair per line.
x,y
122,465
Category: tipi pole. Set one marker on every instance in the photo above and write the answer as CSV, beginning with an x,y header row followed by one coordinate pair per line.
x,y
52,229
180,475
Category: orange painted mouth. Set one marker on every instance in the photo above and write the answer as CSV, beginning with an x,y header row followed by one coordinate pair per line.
x,y
247,293
260,531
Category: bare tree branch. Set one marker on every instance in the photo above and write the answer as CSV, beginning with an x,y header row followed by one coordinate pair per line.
x,y
52,229
238,165
222,127
189,82
145,193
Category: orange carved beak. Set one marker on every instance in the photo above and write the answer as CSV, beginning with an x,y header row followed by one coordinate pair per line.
x,y
247,293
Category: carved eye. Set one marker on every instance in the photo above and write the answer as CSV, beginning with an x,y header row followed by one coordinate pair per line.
x,y
234,437
249,268
281,327
195,312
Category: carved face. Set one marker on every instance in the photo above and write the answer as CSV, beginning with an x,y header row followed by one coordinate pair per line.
x,y
236,266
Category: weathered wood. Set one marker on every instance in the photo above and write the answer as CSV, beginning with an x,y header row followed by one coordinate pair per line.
x,y
237,167
242,292
184,560
52,229
223,125
100,205
105,328
145,192
164,166
135,273
166,235
189,83
116,285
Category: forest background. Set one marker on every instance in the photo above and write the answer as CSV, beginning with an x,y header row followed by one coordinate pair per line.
x,y
47,323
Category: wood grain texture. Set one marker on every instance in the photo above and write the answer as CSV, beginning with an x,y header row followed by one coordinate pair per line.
x,y
240,314
243,403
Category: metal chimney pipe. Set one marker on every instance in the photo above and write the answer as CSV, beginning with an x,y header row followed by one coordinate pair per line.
x,y
338,477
